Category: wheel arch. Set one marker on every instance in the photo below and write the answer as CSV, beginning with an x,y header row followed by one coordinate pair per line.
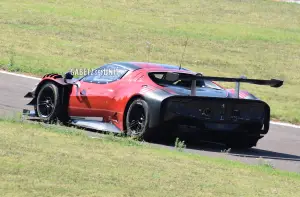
x,y
63,88
62,96
154,100
134,97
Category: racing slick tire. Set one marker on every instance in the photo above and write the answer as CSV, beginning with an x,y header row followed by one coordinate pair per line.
x,y
246,142
49,107
137,120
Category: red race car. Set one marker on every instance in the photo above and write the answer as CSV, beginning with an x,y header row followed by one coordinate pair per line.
x,y
145,100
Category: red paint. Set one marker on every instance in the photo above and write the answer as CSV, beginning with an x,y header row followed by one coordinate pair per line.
x,y
243,94
109,100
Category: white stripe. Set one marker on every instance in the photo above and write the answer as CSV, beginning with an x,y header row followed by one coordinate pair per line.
x,y
285,124
87,118
19,75
35,78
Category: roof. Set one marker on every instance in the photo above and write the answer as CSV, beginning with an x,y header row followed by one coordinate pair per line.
x,y
148,65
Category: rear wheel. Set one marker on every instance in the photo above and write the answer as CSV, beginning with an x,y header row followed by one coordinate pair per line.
x,y
246,142
49,106
137,120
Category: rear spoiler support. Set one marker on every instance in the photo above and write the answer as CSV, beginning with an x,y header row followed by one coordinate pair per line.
x,y
193,87
237,88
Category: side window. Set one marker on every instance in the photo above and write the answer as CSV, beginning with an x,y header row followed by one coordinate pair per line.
x,y
106,74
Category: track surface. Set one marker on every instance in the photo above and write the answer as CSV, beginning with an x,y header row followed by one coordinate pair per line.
x,y
280,148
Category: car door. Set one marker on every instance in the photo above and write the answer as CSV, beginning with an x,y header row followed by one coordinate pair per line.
x,y
95,92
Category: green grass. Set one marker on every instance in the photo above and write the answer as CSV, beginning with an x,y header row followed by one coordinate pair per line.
x,y
39,160
257,38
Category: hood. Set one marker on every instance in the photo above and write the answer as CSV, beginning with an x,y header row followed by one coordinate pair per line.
x,y
207,92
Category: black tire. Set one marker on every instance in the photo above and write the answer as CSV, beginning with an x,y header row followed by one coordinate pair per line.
x,y
49,105
137,120
242,143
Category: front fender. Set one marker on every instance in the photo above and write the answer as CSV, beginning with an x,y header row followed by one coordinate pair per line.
x,y
55,78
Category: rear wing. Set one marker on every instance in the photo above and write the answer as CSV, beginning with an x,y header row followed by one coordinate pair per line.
x,y
276,83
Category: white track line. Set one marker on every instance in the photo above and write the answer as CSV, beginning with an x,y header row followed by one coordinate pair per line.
x,y
285,124
35,78
19,75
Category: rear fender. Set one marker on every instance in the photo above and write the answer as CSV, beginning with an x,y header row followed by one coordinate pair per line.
x,y
154,99
243,94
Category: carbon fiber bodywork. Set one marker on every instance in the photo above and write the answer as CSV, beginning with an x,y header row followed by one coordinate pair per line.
x,y
155,99
208,113
217,114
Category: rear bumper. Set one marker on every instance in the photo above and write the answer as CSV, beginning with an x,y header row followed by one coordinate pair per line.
x,y
191,125
200,133
216,115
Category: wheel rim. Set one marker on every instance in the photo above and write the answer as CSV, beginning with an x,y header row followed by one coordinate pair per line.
x,y
45,103
137,119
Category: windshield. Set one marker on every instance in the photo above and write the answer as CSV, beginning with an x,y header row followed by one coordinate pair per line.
x,y
183,81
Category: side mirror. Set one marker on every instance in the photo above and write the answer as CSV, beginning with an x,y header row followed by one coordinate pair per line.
x,y
172,76
68,75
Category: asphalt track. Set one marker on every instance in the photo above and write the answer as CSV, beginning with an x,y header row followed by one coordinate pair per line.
x,y
280,148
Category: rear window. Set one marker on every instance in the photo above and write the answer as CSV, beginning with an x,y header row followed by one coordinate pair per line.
x,y
183,81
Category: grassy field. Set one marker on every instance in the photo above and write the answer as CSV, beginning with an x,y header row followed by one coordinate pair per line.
x,y
257,38
51,161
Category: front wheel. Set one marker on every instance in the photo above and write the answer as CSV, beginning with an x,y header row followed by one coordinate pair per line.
x,y
137,120
49,107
